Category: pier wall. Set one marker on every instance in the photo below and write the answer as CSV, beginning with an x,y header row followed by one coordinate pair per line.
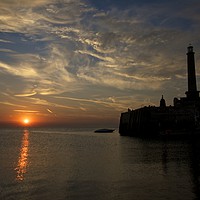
x,y
150,121
137,123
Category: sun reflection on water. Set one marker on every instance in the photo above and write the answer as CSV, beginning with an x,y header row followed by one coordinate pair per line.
x,y
21,168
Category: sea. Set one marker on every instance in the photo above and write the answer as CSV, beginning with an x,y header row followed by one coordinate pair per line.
x,y
78,164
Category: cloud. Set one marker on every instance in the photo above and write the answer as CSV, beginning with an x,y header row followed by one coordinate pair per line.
x,y
98,56
114,103
7,51
25,95
37,20
49,111
5,41
11,104
26,111
54,51
40,73
24,3
22,71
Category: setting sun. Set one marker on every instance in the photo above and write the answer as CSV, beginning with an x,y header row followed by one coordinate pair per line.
x,y
26,121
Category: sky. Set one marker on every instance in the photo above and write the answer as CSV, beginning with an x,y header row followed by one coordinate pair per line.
x,y
83,62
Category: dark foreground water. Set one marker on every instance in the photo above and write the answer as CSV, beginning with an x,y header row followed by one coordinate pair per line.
x,y
59,164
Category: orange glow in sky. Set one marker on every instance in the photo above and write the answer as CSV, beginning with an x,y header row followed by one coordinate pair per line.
x,y
26,121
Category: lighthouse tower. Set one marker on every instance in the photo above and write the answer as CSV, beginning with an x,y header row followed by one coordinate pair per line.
x,y
192,93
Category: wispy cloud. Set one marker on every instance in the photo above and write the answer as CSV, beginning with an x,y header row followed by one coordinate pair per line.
x,y
25,95
63,55
49,110
7,50
26,111
5,41
11,104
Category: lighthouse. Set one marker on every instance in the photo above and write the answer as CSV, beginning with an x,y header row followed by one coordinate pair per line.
x,y
192,93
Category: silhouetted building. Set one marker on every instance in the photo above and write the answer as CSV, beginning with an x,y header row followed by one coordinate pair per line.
x,y
162,103
183,117
192,95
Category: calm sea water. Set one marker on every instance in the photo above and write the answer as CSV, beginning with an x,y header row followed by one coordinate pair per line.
x,y
63,164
